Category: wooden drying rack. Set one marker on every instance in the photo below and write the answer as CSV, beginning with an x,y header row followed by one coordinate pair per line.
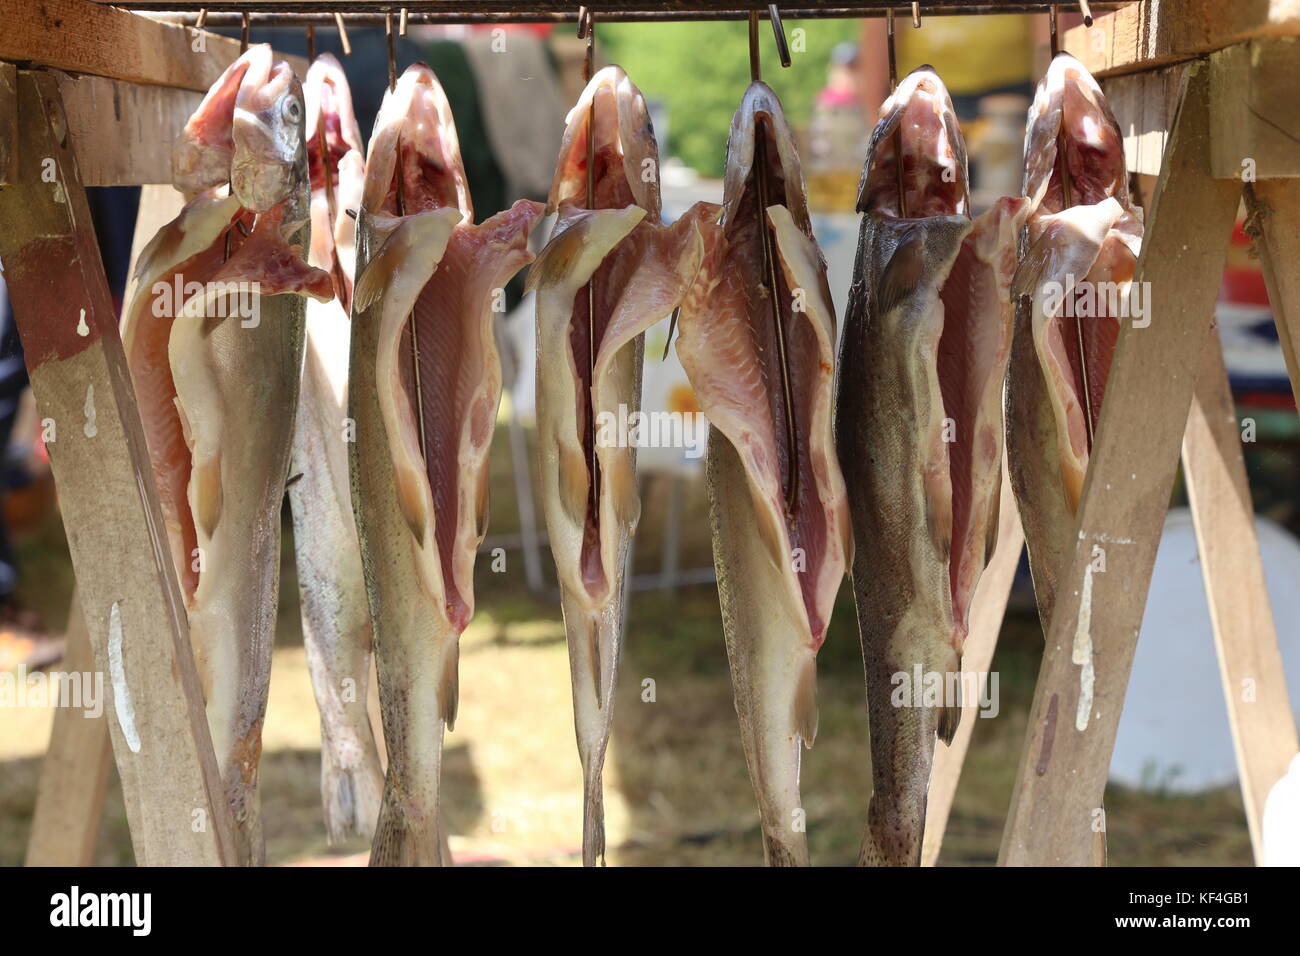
x,y
89,95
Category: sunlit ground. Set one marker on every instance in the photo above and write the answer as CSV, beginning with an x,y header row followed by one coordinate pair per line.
x,y
677,791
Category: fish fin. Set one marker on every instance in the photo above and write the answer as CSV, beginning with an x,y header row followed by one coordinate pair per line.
x,y
593,821
411,500
205,486
424,235
950,717
574,479
449,688
482,507
805,702
585,232
593,641
905,269
938,523
995,518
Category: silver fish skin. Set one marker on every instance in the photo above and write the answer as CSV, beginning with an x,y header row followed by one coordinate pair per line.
x,y
918,428
218,386
427,276
638,271
778,568
331,584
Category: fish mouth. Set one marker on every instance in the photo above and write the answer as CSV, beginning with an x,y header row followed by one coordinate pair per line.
x,y
414,164
1073,146
330,118
933,181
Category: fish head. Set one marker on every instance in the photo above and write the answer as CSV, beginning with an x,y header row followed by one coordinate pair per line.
x,y
919,116
268,164
1070,113
414,163
612,121
202,154
331,123
759,131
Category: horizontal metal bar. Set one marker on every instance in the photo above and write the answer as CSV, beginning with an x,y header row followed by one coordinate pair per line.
x,y
321,12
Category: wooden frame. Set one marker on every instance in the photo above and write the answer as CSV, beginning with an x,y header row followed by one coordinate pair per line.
x,y
56,137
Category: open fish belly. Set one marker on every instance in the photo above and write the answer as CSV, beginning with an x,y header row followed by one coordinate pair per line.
x,y
237,390
889,426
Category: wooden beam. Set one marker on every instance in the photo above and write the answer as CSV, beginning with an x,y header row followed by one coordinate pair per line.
x,y
74,774
84,37
1254,683
126,582
122,133
987,611
1252,110
1101,590
1153,33
1273,223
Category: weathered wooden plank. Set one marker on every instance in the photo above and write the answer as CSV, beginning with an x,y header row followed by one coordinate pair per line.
x,y
1144,105
85,37
8,123
1102,588
74,774
122,133
1254,683
1252,110
987,610
126,581
1156,32
1273,222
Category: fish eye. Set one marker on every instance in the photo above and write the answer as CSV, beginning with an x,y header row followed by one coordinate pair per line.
x,y
292,109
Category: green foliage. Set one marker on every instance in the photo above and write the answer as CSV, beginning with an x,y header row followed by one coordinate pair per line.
x,y
700,71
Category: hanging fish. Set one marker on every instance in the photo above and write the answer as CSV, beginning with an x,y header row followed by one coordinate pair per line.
x,y
214,338
757,342
331,586
609,272
425,382
1082,243
919,431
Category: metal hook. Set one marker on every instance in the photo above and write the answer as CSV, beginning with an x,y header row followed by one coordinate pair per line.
x,y
401,23
898,136
1051,29
343,34
202,19
392,50
755,64
889,46
1086,11
243,32
778,32
916,16
311,44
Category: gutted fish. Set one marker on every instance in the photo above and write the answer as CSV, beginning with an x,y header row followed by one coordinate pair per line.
x,y
424,385
757,342
335,617
609,272
1073,287
919,431
214,341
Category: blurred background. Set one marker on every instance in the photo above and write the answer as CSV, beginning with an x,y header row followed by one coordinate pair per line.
x,y
676,784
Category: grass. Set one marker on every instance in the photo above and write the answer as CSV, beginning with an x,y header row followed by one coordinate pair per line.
x,y
676,784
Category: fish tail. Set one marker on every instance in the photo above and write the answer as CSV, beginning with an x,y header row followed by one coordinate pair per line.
x,y
894,835
351,796
595,639
407,839
593,818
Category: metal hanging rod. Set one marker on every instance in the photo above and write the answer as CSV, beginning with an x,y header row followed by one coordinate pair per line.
x,y
300,13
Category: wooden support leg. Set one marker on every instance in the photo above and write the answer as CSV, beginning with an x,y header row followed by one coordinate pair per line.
x,y
74,776
1102,588
987,610
1254,684
126,582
